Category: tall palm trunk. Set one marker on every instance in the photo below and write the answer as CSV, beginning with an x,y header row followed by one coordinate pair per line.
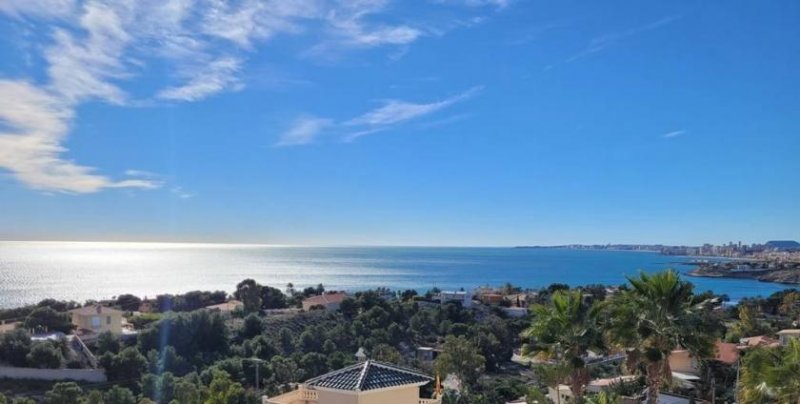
x,y
578,379
654,377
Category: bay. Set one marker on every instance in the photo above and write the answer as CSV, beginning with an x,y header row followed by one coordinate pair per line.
x,y
32,271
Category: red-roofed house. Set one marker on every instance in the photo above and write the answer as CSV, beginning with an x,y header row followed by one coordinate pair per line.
x,y
727,353
329,301
685,367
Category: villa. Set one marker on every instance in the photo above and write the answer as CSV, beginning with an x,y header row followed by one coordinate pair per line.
x,y
368,382
94,319
686,368
785,335
328,301
8,326
460,296
226,308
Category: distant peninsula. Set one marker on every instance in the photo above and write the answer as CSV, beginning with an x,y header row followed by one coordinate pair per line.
x,y
775,261
787,272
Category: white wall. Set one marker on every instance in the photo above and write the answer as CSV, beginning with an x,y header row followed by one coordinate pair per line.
x,y
88,375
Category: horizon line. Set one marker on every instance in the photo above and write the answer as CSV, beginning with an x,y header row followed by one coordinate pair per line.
x,y
323,245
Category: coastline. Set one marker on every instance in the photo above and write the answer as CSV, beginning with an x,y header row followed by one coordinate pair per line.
x,y
768,271
61,270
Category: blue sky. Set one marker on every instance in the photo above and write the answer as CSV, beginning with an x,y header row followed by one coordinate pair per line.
x,y
472,122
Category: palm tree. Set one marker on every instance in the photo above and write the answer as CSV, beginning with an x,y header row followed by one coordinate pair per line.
x,y
771,375
657,315
603,397
552,376
565,330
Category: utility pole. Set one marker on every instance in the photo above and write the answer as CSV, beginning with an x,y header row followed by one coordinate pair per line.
x,y
258,362
736,387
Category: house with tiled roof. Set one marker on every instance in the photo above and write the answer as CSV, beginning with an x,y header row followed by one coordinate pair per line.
x,y
328,301
226,308
368,382
95,318
686,368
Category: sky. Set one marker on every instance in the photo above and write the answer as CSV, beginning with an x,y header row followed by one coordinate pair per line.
x,y
377,122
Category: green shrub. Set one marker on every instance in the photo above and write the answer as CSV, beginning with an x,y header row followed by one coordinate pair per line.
x,y
44,355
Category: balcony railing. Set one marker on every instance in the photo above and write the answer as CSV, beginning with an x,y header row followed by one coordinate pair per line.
x,y
303,396
308,395
299,396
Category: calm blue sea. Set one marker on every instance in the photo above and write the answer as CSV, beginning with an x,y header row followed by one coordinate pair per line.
x,y
31,271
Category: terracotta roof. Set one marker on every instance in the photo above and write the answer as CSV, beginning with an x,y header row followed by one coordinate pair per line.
x,y
369,375
326,298
6,327
94,310
726,352
230,305
759,340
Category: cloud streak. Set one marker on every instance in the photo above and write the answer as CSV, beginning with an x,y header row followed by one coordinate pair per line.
x,y
675,133
95,48
31,150
304,130
391,114
99,49
600,43
205,81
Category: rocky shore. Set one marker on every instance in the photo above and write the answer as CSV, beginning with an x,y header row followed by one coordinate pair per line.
x,y
765,271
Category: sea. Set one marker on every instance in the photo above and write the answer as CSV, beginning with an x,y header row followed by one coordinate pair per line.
x,y
32,271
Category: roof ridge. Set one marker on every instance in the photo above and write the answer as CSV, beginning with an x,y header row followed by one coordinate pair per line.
x,y
363,375
335,372
399,368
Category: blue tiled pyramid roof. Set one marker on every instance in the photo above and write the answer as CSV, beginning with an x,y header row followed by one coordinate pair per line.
x,y
368,375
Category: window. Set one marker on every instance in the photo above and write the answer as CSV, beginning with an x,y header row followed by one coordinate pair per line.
x,y
95,322
108,319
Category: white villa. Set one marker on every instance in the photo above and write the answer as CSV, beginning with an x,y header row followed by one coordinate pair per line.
x,y
465,298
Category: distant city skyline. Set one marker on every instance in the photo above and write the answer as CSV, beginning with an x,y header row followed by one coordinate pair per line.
x,y
440,123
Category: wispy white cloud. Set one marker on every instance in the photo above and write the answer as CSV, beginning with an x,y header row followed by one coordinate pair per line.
x,y
672,134
349,27
96,48
304,130
477,3
81,68
205,81
391,114
181,193
39,8
247,21
396,111
30,149
141,173
602,42
444,121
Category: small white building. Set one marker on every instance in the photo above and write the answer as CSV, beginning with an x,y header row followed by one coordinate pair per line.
x,y
562,395
427,354
784,336
465,298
